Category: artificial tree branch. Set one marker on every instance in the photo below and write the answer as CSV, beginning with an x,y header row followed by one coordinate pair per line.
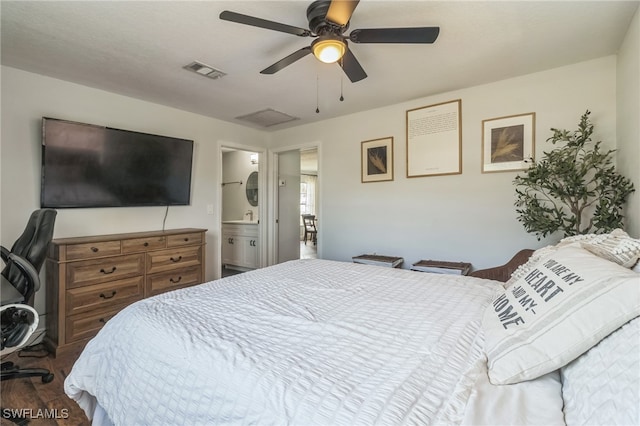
x,y
572,178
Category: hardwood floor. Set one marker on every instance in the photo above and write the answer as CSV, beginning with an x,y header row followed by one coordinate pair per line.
x,y
41,401
308,251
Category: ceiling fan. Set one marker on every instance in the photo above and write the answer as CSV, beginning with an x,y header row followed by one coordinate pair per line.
x,y
328,20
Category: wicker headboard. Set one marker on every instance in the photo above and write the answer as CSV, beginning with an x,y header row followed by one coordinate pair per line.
x,y
503,273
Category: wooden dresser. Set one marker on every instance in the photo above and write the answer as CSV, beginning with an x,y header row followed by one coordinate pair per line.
x,y
90,279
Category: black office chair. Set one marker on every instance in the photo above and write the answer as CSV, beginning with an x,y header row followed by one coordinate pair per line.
x,y
23,263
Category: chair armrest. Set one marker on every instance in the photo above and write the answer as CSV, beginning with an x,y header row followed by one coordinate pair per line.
x,y
503,272
4,253
23,265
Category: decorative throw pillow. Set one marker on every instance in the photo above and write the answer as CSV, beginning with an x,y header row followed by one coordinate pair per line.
x,y
564,305
625,250
523,269
617,247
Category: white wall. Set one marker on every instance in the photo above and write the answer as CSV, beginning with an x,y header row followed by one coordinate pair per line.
x,y
461,217
27,97
236,167
468,217
628,125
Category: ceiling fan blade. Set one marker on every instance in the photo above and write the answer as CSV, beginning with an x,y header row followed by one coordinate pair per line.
x,y
352,67
263,23
340,11
395,35
284,62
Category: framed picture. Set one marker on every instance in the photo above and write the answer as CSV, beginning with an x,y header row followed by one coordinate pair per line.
x,y
434,140
377,160
508,142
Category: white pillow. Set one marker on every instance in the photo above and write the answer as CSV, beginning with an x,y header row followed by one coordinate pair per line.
x,y
523,269
617,247
567,303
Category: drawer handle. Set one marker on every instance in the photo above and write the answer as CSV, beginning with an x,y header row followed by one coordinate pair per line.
x,y
113,293
176,281
176,260
94,249
146,244
113,269
186,239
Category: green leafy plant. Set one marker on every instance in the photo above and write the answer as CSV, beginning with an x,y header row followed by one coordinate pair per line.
x,y
573,189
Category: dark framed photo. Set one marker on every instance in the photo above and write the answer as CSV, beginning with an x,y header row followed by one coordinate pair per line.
x,y
508,143
377,160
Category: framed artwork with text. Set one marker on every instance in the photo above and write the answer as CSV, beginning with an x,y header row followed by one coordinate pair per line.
x,y
434,140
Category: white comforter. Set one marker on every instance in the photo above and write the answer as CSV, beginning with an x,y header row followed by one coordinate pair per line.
x,y
305,342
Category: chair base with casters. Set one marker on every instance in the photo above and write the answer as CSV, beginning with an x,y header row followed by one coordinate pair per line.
x,y
18,324
11,371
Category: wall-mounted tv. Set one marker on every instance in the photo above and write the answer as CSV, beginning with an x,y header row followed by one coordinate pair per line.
x,y
84,165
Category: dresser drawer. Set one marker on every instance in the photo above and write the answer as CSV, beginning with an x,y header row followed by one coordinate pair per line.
x,y
165,281
93,250
137,245
165,260
184,239
105,295
102,270
84,326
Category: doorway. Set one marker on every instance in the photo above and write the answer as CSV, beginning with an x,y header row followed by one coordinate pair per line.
x,y
241,211
309,203
296,180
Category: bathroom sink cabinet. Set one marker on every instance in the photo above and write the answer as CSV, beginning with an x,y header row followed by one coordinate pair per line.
x,y
240,246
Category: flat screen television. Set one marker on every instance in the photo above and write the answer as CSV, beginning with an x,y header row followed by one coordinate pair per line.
x,y
84,165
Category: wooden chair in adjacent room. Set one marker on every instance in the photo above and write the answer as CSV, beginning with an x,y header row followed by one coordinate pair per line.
x,y
310,230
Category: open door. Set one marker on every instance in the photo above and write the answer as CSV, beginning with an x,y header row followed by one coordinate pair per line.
x,y
288,214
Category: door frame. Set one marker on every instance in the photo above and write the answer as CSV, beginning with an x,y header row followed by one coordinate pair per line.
x,y
272,184
263,246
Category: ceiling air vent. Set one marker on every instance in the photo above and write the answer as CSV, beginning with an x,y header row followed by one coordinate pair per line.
x,y
204,70
267,117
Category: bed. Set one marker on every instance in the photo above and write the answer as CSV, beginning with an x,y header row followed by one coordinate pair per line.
x,y
318,342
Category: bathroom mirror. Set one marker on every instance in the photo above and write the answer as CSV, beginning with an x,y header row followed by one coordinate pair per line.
x,y
252,189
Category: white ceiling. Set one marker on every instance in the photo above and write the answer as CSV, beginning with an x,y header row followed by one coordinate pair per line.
x,y
138,49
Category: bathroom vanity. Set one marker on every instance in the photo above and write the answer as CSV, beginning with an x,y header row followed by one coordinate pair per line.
x,y
240,244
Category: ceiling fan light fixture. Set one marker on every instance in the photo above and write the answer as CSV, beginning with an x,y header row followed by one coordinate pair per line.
x,y
328,49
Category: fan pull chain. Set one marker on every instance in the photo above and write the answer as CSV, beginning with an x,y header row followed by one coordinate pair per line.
x,y
341,81
317,94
